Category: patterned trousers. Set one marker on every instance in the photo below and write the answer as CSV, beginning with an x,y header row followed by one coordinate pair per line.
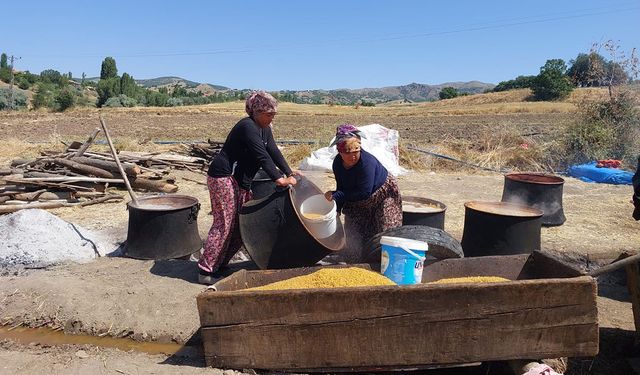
x,y
223,241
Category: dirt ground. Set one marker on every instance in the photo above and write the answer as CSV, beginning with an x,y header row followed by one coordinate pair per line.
x,y
155,300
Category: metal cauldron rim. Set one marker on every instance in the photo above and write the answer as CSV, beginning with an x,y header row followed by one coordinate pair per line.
x,y
189,201
441,206
535,178
504,209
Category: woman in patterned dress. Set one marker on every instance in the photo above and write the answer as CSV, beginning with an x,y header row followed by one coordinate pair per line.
x,y
366,193
248,147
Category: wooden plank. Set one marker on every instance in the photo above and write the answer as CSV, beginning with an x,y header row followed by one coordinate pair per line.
x,y
389,326
509,267
633,284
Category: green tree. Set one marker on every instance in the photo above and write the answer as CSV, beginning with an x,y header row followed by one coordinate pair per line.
x,y
107,88
53,76
521,82
448,93
582,68
552,83
108,68
128,86
3,61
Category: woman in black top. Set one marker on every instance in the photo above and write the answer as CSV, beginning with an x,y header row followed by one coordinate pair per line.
x,y
250,146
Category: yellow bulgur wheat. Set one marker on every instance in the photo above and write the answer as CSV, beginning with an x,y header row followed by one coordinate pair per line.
x,y
470,279
330,278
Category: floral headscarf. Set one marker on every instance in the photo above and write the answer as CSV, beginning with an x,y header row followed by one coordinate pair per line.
x,y
260,102
343,133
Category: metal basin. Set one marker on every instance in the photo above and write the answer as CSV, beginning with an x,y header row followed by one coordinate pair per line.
x,y
500,228
275,235
540,190
163,227
423,211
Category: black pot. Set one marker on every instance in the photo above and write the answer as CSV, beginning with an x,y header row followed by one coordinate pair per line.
x,y
262,185
163,227
540,190
274,234
412,214
499,228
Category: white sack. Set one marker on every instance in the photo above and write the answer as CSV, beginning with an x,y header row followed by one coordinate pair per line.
x,y
377,140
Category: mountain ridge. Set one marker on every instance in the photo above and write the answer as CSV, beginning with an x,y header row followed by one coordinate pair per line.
x,y
412,92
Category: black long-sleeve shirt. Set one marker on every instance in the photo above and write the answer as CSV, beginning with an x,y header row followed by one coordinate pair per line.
x,y
252,147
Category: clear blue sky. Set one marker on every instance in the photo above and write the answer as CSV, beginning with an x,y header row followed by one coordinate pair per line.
x,y
327,44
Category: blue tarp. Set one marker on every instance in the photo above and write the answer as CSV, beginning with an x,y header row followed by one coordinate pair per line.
x,y
590,173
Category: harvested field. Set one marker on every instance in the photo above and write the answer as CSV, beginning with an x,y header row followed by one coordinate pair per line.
x,y
155,300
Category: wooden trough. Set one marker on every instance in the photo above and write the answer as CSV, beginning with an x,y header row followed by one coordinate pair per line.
x,y
548,310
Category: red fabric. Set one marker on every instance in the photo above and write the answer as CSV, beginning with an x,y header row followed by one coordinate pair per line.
x,y
223,241
609,163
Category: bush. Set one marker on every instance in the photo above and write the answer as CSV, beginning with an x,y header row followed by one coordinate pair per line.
x,y
448,93
120,101
606,129
44,96
19,99
175,102
65,99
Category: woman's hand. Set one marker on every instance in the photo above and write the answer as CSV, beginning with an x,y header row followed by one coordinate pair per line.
x,y
329,195
282,181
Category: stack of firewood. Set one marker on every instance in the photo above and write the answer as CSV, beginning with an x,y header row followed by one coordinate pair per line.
x,y
77,177
204,151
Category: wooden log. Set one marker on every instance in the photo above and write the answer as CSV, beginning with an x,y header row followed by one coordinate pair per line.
x,y
87,143
162,157
4,198
66,179
5,209
83,168
10,171
130,169
153,185
19,202
43,195
19,162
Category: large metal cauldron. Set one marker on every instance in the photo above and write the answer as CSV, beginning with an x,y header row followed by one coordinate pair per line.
x,y
262,185
499,228
274,234
423,211
163,227
540,190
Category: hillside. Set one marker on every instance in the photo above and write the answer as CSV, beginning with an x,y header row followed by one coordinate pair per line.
x,y
413,92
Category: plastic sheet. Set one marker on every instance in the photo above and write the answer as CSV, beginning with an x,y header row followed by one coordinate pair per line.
x,y
590,173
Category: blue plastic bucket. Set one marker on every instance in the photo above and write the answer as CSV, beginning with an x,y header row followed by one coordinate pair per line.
x,y
402,259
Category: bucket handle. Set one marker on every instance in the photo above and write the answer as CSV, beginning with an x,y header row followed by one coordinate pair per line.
x,y
420,258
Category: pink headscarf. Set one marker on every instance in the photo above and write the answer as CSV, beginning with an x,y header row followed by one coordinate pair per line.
x,y
260,102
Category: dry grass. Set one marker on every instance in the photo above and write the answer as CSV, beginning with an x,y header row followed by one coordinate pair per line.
x,y
495,150
294,154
